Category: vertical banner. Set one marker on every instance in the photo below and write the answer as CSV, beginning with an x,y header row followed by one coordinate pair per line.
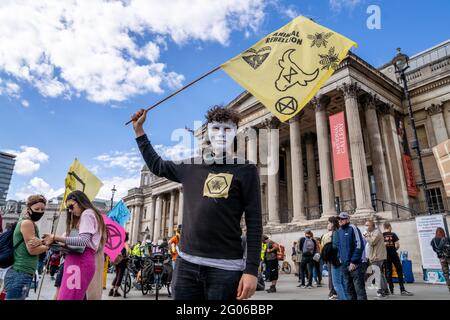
x,y
409,175
341,163
426,229
442,155
115,240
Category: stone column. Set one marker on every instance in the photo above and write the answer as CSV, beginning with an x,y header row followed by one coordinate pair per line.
x,y
376,148
313,191
180,206
324,145
252,145
289,183
273,159
171,213
158,214
359,165
447,116
437,118
152,216
396,175
346,195
136,222
298,185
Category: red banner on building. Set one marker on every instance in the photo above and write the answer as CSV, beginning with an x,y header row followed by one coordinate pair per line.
x,y
409,175
341,163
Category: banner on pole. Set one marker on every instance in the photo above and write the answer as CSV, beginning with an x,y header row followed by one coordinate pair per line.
x,y
341,163
286,69
115,238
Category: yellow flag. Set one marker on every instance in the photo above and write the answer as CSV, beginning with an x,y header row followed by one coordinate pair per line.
x,y
286,69
80,178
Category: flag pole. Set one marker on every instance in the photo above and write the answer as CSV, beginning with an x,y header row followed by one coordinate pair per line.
x,y
178,91
54,228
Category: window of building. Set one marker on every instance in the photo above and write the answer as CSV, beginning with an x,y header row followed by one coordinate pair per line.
x,y
145,213
436,200
422,136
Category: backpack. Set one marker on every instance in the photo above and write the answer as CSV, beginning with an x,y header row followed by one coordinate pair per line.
x,y
7,248
260,285
308,247
280,252
446,248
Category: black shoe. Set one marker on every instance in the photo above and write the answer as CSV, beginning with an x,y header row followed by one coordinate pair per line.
x,y
111,292
271,289
117,294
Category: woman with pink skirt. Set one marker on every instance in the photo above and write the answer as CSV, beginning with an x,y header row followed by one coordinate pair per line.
x,y
87,236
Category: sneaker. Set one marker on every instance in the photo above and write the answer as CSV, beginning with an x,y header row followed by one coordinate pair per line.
x,y
111,292
319,285
309,287
332,298
301,286
406,293
117,294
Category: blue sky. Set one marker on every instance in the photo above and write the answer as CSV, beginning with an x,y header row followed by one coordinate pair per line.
x,y
71,74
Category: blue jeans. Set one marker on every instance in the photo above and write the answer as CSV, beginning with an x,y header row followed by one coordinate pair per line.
x,y
338,282
17,284
196,282
354,282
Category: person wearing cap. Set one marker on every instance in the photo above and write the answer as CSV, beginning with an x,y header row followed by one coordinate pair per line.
x,y
27,248
350,247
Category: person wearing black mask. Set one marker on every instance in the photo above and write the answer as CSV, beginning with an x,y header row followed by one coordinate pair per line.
x,y
28,247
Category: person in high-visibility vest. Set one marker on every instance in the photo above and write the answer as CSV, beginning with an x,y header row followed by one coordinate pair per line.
x,y
137,251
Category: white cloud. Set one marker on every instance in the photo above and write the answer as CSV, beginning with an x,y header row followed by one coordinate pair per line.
x,y
130,161
109,50
25,103
338,5
38,186
28,160
122,185
9,88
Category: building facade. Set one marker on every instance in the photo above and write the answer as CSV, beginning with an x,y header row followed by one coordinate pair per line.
x,y
7,162
302,193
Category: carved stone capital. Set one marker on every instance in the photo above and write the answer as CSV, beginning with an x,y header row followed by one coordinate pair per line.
x,y
271,123
297,117
434,109
369,101
320,102
349,90
387,109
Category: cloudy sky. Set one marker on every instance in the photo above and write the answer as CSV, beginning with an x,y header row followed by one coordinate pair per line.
x,y
72,72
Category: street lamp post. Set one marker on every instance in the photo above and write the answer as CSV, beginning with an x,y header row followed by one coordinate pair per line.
x,y
401,64
113,190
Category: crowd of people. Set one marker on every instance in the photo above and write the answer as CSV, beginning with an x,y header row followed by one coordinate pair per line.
x,y
349,256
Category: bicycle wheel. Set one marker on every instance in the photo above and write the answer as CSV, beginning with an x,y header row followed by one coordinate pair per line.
x,y
157,285
287,268
144,286
126,283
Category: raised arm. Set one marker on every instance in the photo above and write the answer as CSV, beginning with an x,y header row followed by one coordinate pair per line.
x,y
158,166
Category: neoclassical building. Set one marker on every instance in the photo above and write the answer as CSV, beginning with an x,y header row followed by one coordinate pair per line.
x,y
303,193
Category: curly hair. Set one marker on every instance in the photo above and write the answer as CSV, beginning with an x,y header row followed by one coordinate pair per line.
x,y
221,114
36,198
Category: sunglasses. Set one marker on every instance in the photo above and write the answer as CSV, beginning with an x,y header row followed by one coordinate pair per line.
x,y
70,207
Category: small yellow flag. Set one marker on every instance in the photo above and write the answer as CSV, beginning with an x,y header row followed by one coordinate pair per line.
x,y
286,69
80,178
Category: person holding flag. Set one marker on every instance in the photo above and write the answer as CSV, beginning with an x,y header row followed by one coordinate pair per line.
x,y
218,190
87,233
173,244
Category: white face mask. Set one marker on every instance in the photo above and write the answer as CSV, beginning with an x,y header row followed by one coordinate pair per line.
x,y
221,135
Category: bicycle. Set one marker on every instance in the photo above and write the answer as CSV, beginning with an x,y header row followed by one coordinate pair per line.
x,y
156,273
134,265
